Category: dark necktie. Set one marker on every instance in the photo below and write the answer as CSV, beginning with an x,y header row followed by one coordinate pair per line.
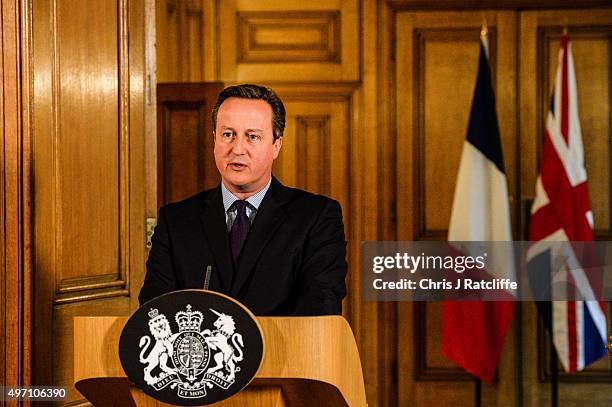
x,y
240,229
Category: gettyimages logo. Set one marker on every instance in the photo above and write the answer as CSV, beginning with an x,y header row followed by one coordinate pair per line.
x,y
191,360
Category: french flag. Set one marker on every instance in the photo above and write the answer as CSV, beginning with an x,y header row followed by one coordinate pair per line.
x,y
473,332
561,212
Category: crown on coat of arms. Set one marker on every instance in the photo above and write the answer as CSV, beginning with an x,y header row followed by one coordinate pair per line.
x,y
190,320
156,317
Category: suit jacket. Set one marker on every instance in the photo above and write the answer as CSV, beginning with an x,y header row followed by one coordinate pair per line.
x,y
292,262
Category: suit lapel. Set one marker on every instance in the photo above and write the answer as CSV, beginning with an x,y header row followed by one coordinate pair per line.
x,y
215,228
269,218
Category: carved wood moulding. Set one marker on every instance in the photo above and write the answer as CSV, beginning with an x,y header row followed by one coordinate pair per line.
x,y
298,36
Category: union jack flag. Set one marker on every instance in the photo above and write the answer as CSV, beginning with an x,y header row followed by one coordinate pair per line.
x,y
561,212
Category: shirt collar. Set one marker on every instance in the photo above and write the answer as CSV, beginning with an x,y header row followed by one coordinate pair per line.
x,y
254,200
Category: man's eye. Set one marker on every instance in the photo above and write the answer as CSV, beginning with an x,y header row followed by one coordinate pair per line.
x,y
253,137
227,134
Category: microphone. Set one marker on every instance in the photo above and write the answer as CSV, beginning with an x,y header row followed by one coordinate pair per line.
x,y
207,276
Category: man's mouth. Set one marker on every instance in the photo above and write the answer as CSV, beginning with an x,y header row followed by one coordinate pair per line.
x,y
237,166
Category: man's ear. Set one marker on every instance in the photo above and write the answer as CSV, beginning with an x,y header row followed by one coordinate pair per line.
x,y
278,143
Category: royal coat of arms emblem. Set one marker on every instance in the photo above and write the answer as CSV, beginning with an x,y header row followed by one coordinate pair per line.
x,y
192,359
191,347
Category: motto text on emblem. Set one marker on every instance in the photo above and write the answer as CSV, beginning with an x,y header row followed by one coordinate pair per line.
x,y
191,360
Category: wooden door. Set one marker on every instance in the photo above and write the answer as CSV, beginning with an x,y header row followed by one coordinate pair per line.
x,y
185,159
89,86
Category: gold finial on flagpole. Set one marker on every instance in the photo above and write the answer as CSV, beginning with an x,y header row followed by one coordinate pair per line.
x,y
565,22
484,30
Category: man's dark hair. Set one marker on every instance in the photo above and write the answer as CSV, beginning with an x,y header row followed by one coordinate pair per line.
x,y
249,91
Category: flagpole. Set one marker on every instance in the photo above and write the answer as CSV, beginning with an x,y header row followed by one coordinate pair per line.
x,y
554,379
478,387
483,37
554,363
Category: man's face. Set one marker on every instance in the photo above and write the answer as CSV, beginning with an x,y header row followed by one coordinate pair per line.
x,y
244,151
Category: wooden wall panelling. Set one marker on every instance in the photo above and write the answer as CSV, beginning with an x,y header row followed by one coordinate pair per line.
x,y
89,166
15,215
316,137
210,43
167,41
276,40
193,42
590,32
435,74
180,26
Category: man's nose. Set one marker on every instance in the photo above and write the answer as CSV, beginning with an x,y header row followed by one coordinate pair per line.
x,y
239,145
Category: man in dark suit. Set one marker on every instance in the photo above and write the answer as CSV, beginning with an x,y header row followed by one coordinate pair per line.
x,y
278,250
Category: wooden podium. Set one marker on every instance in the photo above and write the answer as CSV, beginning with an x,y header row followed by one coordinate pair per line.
x,y
308,361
